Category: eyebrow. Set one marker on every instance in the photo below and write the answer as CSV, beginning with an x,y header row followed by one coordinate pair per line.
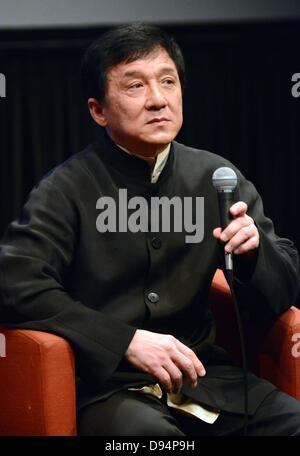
x,y
138,73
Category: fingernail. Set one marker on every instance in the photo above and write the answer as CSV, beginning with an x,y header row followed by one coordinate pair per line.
x,y
223,237
194,385
203,372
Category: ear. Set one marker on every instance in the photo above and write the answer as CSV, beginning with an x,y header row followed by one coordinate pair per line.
x,y
97,111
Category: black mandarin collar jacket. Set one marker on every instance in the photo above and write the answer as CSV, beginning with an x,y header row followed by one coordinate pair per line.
x,y
58,273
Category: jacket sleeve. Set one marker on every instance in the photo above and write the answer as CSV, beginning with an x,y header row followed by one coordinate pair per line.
x,y
35,253
269,284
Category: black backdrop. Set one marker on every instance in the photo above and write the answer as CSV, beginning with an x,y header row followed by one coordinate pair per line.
x,y
238,103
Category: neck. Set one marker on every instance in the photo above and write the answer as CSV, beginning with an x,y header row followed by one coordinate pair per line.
x,y
144,152
150,159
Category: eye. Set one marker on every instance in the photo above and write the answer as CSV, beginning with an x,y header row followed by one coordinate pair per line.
x,y
135,85
168,81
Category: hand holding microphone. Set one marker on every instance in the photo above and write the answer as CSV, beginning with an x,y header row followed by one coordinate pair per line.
x,y
237,230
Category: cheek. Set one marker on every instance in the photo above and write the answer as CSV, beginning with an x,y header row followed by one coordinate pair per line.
x,y
125,111
178,110
177,103
116,107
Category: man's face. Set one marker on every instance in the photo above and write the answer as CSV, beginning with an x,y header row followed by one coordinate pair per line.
x,y
142,110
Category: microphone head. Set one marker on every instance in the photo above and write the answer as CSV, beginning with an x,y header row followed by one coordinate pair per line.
x,y
224,179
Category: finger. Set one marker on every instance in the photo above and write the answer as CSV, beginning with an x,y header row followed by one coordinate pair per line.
x,y
217,232
235,226
164,379
175,375
186,351
241,237
238,209
248,246
187,368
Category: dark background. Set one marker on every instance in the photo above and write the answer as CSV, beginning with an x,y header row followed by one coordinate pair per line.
x,y
238,103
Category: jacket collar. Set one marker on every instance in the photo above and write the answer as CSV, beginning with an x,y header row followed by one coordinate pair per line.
x,y
127,164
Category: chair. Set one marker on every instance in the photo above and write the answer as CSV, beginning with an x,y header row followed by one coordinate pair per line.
x,y
37,375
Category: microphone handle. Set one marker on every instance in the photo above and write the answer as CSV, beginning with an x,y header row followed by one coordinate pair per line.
x,y
226,200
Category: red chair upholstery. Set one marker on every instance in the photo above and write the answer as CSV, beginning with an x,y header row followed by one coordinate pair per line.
x,y
274,358
37,377
37,385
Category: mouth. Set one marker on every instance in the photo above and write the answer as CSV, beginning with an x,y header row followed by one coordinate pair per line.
x,y
158,120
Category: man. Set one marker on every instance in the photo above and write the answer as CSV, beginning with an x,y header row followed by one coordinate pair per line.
x,y
131,298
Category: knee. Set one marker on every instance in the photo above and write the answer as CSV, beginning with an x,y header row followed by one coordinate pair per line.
x,y
134,426
158,427
294,425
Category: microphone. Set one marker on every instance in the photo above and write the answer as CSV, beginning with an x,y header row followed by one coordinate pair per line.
x,y
225,181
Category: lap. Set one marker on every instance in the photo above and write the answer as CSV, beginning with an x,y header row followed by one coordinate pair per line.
x,y
132,413
127,413
278,414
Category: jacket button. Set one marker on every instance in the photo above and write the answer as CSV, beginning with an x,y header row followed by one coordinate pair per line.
x,y
153,297
156,242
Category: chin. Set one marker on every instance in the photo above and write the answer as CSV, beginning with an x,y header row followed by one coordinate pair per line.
x,y
162,138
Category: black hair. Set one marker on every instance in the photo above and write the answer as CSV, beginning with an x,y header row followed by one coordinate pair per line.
x,y
125,43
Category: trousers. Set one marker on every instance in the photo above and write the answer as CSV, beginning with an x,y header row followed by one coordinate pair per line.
x,y
130,413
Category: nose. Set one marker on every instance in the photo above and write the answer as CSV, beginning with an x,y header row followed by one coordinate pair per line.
x,y
155,98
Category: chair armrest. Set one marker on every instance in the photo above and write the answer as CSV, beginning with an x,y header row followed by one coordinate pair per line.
x,y
37,384
279,357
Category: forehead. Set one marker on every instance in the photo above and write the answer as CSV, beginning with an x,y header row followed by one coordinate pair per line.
x,y
156,62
